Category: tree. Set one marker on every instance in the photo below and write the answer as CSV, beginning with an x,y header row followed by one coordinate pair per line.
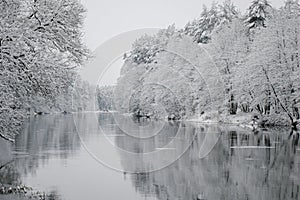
x,y
229,47
105,97
258,73
272,71
180,84
146,47
40,46
202,28
258,13
228,12
292,6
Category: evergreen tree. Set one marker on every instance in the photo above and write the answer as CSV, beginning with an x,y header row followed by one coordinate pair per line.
x,y
228,12
258,13
202,28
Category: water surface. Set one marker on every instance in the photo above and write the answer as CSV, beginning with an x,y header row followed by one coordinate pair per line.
x,y
104,156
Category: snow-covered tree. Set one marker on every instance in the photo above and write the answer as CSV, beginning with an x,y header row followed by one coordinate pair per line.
x,y
229,47
201,29
40,45
292,6
258,72
272,71
105,97
258,13
129,86
145,48
228,12
181,83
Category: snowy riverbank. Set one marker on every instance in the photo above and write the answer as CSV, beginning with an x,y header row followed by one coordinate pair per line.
x,y
247,120
214,117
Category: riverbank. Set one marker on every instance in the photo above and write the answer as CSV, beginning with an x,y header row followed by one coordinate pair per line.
x,y
10,192
10,186
11,124
14,197
247,120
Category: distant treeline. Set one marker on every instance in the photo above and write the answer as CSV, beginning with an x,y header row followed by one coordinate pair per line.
x,y
104,95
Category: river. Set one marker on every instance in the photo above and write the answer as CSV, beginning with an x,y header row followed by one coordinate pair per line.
x,y
109,156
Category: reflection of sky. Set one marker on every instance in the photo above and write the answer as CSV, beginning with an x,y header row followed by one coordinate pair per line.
x,y
50,157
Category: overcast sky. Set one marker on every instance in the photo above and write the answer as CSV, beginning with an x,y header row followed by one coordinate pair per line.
x,y
108,18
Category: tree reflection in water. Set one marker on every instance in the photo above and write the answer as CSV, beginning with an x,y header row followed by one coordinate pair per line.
x,y
43,137
242,165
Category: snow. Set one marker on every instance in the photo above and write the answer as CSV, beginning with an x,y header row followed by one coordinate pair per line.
x,y
40,49
239,71
241,119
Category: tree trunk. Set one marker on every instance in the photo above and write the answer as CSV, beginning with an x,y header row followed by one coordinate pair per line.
x,y
277,97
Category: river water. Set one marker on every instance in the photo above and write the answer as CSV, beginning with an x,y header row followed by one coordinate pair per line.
x,y
108,156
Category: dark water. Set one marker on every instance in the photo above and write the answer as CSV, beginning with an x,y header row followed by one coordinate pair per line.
x,y
103,156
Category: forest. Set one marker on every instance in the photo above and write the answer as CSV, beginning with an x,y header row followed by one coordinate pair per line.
x,y
221,65
237,73
41,50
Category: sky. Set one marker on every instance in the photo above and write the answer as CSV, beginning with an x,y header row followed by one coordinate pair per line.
x,y
106,19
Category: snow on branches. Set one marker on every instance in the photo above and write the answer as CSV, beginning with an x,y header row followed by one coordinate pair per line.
x,y
40,46
260,69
